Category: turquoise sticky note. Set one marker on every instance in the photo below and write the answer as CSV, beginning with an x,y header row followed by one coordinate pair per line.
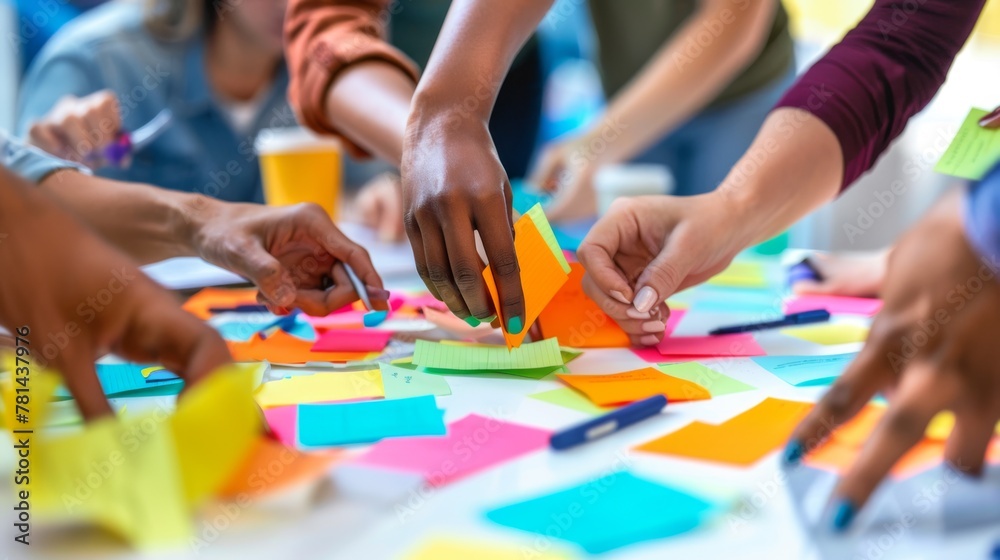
x,y
126,380
323,425
736,300
806,371
608,513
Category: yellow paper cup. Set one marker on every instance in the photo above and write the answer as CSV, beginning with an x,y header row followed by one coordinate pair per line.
x,y
299,166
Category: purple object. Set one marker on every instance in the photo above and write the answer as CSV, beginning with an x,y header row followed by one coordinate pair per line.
x,y
803,271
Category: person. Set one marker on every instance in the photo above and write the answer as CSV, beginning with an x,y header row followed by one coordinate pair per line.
x,y
689,84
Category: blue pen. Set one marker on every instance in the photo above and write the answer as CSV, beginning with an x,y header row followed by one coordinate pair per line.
x,y
609,423
241,308
814,316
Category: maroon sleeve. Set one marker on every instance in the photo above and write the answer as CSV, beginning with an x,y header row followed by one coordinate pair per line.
x,y
882,73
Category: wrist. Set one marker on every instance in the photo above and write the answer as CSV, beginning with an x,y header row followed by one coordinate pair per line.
x,y
189,216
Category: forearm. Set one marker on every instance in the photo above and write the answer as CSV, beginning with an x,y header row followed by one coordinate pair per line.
x,y
684,76
147,223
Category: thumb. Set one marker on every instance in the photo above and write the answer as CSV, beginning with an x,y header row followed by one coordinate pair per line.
x,y
662,276
268,274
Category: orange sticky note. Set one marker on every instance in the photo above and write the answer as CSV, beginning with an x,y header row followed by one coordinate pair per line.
x,y
200,303
576,320
742,440
541,276
283,348
635,385
271,467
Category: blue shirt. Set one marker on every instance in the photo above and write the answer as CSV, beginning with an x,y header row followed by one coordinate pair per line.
x,y
982,217
110,48
27,161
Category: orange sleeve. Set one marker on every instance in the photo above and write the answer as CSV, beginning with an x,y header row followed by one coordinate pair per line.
x,y
322,37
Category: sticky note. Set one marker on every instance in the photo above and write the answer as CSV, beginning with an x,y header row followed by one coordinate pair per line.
x,y
941,425
707,297
742,440
127,380
283,348
400,383
574,319
635,385
973,152
568,398
200,303
543,272
215,427
352,340
541,354
282,421
321,387
741,274
834,304
271,467
830,333
727,345
716,383
441,460
441,548
806,371
611,512
369,421
537,216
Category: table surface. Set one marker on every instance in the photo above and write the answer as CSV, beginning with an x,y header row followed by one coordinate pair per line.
x,y
772,513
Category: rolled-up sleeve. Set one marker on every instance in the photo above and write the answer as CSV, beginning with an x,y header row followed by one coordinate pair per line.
x,y
982,217
882,73
29,162
322,38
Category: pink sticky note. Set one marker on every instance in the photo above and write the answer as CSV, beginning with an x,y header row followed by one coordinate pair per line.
x,y
473,443
675,318
835,304
281,421
337,319
424,300
352,340
652,354
728,345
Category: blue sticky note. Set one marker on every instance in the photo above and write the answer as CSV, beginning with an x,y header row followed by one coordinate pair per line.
x,y
569,236
239,331
321,425
126,380
737,300
608,513
806,371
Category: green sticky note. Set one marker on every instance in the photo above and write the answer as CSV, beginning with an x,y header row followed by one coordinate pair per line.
x,y
717,383
537,215
401,382
570,354
435,355
973,152
568,398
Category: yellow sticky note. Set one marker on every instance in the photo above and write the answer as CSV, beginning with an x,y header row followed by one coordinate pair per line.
x,y
973,152
941,425
829,333
630,386
542,274
462,549
321,387
741,274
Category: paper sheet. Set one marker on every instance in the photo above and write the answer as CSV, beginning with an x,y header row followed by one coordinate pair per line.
x,y
352,340
283,348
282,420
635,385
321,387
727,345
126,380
200,303
441,548
442,460
741,274
576,320
867,307
742,440
370,421
542,274
716,383
829,333
541,354
271,467
806,371
573,400
974,150
610,514
400,383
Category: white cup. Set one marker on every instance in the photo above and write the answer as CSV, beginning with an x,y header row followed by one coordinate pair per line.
x,y
634,179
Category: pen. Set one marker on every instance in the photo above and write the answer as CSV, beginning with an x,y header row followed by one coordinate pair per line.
x,y
373,317
609,423
127,143
241,308
813,316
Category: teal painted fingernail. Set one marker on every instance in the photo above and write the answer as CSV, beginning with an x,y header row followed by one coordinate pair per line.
x,y
374,318
514,325
794,452
472,321
843,515
490,319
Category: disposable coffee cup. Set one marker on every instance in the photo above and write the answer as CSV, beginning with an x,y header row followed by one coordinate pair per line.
x,y
297,166
636,179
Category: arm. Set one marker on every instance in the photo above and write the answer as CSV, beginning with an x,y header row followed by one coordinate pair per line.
x,y
345,78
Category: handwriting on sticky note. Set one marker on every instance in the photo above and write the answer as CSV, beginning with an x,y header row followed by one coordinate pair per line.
x,y
541,354
974,150
369,421
630,386
321,387
575,320
806,371
727,345
400,383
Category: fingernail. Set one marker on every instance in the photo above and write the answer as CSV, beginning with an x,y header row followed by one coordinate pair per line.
x,y
620,297
645,299
843,514
489,319
653,326
374,318
794,452
648,340
472,321
514,325
631,313
990,119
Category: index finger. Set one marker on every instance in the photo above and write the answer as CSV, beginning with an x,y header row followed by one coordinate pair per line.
x,y
494,222
343,249
596,254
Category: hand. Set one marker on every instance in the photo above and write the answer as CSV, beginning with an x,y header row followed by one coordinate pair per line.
x,y
564,168
453,186
647,248
846,274
933,347
380,204
80,299
78,128
291,253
